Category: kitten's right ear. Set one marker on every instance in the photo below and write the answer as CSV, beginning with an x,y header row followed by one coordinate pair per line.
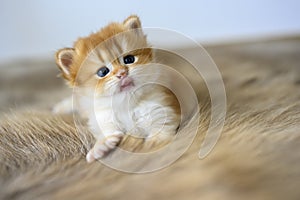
x,y
132,22
64,60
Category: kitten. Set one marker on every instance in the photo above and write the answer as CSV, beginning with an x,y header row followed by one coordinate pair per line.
x,y
107,71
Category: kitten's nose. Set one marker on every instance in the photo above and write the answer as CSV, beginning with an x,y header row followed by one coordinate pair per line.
x,y
122,73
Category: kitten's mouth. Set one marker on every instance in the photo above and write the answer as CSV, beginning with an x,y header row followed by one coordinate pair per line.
x,y
126,84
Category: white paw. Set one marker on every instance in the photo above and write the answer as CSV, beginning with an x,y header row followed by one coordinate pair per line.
x,y
113,141
102,147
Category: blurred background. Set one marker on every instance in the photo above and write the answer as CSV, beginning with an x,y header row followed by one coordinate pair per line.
x,y
36,29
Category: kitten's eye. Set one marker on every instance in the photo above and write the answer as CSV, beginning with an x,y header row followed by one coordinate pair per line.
x,y
129,59
103,71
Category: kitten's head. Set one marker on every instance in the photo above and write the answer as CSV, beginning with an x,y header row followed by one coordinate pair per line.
x,y
108,61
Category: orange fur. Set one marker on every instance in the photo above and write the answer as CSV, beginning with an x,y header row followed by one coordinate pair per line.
x,y
85,45
107,49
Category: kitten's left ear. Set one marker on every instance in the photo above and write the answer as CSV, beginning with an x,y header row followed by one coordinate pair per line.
x,y
132,22
64,60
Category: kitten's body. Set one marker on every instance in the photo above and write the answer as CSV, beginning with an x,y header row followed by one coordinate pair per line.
x,y
110,72
142,114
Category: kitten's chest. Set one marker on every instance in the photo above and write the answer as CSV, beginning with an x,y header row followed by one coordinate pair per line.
x,y
123,107
126,110
122,110
137,114
134,113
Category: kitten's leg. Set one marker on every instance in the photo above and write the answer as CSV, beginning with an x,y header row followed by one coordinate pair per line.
x,y
163,125
104,146
163,136
64,107
105,129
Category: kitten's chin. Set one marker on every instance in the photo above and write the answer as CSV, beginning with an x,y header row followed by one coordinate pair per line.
x,y
126,84
126,88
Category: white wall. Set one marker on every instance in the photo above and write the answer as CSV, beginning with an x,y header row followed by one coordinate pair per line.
x,y
38,28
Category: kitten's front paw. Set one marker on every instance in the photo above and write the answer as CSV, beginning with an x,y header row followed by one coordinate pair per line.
x,y
102,147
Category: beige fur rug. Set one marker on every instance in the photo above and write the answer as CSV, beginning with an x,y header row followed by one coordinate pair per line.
x,y
42,156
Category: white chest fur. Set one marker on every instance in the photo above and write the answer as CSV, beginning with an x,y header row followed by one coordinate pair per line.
x,y
139,113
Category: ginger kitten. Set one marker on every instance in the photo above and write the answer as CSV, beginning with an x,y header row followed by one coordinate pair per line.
x,y
110,72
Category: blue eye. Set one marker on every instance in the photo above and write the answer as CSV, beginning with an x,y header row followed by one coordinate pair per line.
x,y
103,71
129,59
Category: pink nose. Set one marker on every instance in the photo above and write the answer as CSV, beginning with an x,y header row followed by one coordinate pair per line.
x,y
121,74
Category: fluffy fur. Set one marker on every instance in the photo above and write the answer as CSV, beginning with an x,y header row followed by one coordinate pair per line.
x,y
42,156
119,102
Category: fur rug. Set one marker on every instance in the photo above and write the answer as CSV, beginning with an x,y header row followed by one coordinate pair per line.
x,y
42,156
